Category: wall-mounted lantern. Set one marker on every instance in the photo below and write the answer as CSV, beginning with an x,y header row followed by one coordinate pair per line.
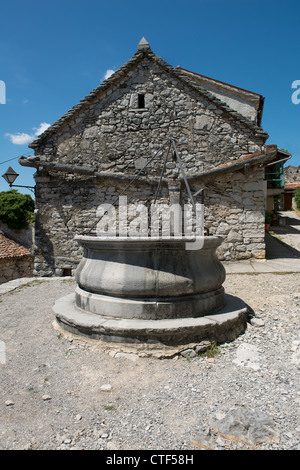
x,y
10,176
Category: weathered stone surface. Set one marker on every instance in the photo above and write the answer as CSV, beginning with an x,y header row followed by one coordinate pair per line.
x,y
246,425
223,326
14,268
149,279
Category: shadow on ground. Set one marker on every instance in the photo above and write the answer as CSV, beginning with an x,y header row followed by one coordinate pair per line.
x,y
276,249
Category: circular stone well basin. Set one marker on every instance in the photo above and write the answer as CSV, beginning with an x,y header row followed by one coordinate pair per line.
x,y
149,278
145,290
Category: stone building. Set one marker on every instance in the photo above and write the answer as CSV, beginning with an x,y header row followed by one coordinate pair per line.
x,y
292,174
292,183
89,156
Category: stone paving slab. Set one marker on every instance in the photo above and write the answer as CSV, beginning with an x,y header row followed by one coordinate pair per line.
x,y
16,283
280,265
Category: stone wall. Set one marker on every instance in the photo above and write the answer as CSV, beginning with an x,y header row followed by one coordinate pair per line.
x,y
14,268
235,209
67,206
292,174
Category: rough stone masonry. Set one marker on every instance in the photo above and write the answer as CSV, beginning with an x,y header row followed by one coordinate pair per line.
x,y
88,157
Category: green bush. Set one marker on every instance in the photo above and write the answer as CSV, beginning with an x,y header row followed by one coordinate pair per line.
x,y
16,209
297,198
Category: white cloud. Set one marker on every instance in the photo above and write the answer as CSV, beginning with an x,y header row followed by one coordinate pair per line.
x,y
108,73
22,138
42,127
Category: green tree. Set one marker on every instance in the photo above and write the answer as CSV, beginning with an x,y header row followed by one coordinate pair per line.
x,y
16,209
297,198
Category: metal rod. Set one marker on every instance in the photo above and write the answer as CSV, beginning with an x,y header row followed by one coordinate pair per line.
x,y
126,187
32,188
184,177
162,172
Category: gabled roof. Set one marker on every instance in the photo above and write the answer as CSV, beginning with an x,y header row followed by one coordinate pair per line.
x,y
219,82
144,51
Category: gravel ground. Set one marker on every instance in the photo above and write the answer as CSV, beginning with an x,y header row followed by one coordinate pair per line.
x,y
57,393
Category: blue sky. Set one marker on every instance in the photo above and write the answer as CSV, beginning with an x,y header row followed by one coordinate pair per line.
x,y
54,52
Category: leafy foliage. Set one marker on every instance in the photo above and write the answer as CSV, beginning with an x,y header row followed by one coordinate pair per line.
x,y
16,209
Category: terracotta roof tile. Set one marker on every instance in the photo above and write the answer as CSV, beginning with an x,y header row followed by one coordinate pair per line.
x,y
292,185
11,249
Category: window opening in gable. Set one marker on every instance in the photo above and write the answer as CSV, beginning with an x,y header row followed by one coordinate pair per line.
x,y
141,101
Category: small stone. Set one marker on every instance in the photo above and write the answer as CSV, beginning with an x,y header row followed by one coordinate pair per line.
x,y
9,403
220,415
188,353
257,322
106,388
46,397
210,360
104,435
78,417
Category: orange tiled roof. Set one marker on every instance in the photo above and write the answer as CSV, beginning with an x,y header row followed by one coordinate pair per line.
x,y
292,185
11,249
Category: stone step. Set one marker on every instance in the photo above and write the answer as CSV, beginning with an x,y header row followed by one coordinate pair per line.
x,y
219,327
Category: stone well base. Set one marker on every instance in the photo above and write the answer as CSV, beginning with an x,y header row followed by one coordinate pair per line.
x,y
218,327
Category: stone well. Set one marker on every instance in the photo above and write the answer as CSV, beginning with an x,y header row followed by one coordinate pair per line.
x,y
145,290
